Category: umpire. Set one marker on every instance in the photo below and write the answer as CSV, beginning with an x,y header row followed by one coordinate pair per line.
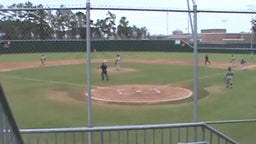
x,y
104,72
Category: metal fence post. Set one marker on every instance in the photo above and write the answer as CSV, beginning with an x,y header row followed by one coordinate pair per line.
x,y
195,69
88,50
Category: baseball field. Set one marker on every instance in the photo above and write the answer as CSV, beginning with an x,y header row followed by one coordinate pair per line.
x,y
150,88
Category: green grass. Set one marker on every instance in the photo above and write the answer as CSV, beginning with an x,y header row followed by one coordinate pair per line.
x,y
54,96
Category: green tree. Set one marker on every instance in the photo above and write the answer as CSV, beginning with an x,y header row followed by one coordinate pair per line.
x,y
25,21
97,32
9,29
253,22
1,12
62,22
11,22
29,24
110,28
43,29
36,23
81,25
123,30
105,28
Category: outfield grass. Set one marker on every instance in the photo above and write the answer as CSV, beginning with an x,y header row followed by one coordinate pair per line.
x,y
49,97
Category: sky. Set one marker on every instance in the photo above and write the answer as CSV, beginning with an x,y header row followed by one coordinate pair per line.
x,y
166,22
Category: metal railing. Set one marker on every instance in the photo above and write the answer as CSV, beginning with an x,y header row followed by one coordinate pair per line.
x,y
9,132
134,134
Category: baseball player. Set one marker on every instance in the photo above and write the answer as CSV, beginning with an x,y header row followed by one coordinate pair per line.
x,y
243,63
118,61
251,54
104,72
207,61
43,60
232,62
229,78
7,44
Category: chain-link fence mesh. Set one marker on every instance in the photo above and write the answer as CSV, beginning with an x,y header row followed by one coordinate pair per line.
x,y
31,22
156,46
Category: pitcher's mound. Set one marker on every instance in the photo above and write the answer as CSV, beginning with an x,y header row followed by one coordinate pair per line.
x,y
140,93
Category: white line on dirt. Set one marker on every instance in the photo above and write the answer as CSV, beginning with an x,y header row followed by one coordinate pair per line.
x,y
200,78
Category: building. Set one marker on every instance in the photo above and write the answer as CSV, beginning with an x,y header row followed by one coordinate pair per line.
x,y
220,36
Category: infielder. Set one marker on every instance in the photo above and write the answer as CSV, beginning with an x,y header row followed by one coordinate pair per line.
x,y
229,78
43,60
251,54
232,62
118,61
244,64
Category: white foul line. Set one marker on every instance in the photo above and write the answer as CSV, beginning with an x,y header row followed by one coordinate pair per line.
x,y
44,81
75,84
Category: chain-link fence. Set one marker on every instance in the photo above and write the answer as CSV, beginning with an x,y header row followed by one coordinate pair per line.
x,y
29,22
148,50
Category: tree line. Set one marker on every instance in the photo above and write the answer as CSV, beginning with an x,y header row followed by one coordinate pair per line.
x,y
34,22
253,22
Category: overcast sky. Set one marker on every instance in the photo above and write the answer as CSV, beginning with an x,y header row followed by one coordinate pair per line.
x,y
163,22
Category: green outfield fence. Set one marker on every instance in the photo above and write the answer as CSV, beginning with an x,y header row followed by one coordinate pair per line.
x,y
38,46
96,45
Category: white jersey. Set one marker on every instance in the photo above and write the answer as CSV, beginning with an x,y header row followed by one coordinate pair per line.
x,y
43,60
118,60
229,75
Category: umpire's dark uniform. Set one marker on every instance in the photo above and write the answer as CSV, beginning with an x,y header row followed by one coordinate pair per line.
x,y
104,72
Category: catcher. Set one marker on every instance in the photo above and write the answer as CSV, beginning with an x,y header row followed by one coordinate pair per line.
x,y
229,78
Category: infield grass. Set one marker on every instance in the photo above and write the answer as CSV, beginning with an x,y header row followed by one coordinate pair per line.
x,y
54,96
